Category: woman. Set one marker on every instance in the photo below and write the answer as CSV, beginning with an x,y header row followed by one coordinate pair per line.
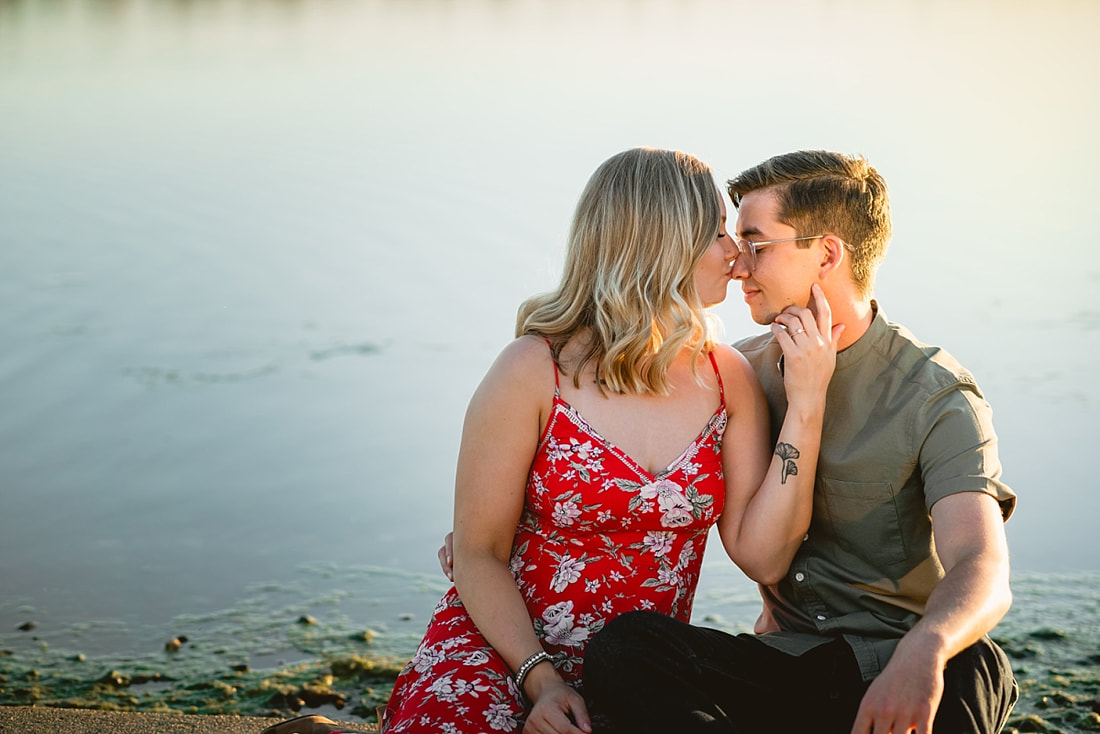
x,y
575,497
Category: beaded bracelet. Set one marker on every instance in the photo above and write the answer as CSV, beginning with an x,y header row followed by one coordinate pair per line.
x,y
525,668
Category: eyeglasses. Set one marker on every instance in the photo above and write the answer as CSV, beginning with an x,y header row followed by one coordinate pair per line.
x,y
748,247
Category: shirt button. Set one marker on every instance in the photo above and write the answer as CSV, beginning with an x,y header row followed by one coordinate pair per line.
x,y
821,617
800,577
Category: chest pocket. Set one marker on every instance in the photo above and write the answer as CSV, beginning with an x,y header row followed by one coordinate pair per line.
x,y
863,518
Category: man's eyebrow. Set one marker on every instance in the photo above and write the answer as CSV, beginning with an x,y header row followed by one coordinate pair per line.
x,y
750,231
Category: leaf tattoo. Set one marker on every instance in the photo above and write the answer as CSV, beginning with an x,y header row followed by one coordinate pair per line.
x,y
788,454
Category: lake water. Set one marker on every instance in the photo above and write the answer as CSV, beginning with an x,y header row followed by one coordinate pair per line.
x,y
256,255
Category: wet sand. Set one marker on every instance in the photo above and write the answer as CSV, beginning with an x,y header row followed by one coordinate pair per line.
x,y
39,720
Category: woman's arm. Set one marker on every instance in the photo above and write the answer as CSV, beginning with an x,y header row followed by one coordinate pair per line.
x,y
769,500
499,439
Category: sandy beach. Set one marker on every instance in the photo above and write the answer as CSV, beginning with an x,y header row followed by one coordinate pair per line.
x,y
39,720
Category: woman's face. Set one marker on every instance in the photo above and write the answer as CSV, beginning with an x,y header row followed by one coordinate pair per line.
x,y
713,273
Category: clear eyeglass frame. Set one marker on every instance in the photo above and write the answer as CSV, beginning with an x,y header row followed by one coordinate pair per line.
x,y
749,247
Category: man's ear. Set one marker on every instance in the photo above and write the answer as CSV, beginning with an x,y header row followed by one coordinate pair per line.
x,y
833,253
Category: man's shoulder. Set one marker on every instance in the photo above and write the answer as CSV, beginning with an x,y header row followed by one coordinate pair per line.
x,y
754,344
921,362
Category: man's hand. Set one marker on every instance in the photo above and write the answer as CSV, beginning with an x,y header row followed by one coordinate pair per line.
x,y
969,601
446,556
906,695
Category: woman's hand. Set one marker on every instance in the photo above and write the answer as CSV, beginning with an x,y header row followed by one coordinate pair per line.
x,y
769,492
809,340
558,709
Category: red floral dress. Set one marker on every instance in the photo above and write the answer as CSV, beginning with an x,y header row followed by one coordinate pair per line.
x,y
599,536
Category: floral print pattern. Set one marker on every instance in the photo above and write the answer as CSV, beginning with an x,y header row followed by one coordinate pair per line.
x,y
599,536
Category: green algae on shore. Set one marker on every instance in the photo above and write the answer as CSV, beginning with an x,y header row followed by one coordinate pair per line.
x,y
281,649
338,672
1059,681
1057,667
285,650
355,683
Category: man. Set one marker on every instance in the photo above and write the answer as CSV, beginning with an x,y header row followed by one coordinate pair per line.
x,y
880,623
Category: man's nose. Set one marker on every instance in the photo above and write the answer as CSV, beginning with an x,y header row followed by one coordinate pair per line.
x,y
741,269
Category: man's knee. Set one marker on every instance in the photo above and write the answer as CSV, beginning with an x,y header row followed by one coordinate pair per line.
x,y
634,624
979,690
619,639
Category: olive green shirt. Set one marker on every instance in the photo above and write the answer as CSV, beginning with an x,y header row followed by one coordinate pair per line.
x,y
905,425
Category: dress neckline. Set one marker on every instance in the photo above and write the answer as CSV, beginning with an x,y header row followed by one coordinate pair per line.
x,y
564,405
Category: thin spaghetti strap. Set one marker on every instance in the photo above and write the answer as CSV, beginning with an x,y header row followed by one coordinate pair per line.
x,y
721,388
557,392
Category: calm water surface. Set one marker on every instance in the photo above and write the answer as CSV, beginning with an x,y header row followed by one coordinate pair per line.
x,y
255,256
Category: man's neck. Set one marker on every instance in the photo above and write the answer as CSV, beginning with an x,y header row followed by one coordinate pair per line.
x,y
855,313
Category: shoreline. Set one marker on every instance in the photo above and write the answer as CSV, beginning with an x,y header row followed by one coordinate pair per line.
x,y
43,720
267,660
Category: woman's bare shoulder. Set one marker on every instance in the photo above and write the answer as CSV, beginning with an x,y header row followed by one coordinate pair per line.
x,y
525,353
524,363
733,364
741,383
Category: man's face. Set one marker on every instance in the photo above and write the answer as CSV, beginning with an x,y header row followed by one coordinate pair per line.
x,y
784,272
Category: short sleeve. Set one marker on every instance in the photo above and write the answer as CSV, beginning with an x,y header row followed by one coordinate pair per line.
x,y
959,447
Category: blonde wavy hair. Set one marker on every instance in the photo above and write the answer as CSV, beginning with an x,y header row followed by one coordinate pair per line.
x,y
643,223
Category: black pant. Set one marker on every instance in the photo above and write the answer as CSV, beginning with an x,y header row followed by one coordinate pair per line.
x,y
645,672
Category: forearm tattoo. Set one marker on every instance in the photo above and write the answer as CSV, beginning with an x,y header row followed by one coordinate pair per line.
x,y
787,453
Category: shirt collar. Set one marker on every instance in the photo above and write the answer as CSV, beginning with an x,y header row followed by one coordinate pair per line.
x,y
877,330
